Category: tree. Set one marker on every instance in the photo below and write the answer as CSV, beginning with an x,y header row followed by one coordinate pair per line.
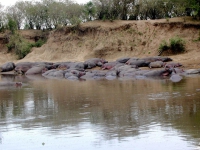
x,y
2,19
12,25
15,12
89,10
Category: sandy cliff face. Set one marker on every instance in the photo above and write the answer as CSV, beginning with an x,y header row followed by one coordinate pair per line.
x,y
111,40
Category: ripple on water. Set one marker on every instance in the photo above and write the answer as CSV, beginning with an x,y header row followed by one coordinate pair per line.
x,y
159,96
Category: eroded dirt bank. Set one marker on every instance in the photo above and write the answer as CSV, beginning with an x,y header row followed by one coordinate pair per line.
x,y
111,40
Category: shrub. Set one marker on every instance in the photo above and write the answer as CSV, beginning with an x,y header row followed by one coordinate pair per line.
x,y
20,46
177,45
163,46
39,43
12,25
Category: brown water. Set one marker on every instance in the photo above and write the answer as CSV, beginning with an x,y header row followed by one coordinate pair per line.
x,y
54,114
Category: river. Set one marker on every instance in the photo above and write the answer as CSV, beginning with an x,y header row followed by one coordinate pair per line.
x,y
49,114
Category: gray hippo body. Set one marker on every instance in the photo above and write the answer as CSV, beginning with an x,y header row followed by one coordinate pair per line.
x,y
158,73
109,65
176,78
22,67
139,63
93,62
123,60
192,71
54,73
73,74
172,65
9,66
157,64
39,69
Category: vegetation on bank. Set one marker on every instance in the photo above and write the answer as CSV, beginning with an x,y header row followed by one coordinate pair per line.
x,y
55,14
50,14
19,45
176,45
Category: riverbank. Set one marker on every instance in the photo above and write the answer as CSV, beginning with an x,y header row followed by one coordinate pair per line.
x,y
112,40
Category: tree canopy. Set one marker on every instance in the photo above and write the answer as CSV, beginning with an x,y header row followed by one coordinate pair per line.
x,y
49,14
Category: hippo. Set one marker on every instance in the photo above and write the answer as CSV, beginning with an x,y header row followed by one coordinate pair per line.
x,y
164,59
93,62
133,59
122,68
179,71
192,71
111,75
157,64
100,74
9,66
22,67
172,65
73,74
139,63
109,65
17,84
95,74
39,69
62,65
151,59
158,73
131,72
49,67
57,64
88,75
123,60
54,73
157,58
78,66
141,72
176,78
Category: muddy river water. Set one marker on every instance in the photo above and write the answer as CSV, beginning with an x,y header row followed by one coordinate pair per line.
x,y
50,114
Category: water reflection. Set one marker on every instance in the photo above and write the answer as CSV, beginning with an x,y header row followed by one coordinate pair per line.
x,y
121,112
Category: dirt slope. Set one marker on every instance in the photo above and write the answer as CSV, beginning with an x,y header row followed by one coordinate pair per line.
x,y
111,40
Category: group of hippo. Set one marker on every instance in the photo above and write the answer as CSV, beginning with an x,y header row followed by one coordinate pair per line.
x,y
98,68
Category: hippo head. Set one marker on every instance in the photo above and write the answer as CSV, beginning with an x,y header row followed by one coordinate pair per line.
x,y
167,72
63,66
77,73
99,64
18,84
81,74
178,65
44,70
103,61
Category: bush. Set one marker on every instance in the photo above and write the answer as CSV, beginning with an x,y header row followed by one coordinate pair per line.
x,y
177,45
163,47
39,43
12,25
21,46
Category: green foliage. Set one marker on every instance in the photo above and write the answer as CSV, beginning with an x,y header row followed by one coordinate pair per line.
x,y
12,25
104,18
177,45
2,28
163,46
21,46
39,43
75,21
89,10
